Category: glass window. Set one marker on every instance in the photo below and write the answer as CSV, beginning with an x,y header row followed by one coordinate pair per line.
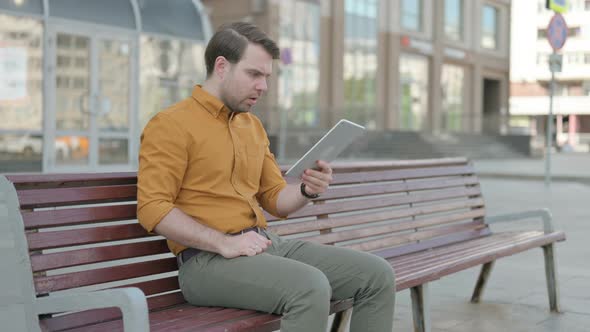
x,y
414,91
169,69
21,94
360,61
454,19
299,71
411,14
113,84
452,86
72,95
489,35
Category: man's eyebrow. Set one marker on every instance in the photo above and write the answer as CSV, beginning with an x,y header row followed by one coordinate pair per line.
x,y
256,71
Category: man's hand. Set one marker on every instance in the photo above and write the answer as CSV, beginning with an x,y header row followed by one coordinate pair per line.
x,y
317,182
247,244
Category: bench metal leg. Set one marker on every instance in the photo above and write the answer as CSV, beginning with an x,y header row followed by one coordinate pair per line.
x,y
551,273
421,308
484,275
341,320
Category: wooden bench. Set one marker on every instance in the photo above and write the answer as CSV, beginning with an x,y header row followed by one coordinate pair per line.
x,y
79,235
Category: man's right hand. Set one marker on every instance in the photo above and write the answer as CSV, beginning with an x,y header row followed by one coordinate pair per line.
x,y
247,244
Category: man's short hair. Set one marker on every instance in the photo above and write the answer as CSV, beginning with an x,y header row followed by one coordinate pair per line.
x,y
230,41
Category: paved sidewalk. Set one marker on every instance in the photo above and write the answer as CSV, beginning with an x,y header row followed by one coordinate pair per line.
x,y
574,167
516,296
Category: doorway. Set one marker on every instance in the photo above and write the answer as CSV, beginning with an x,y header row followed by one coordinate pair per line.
x,y
491,115
89,123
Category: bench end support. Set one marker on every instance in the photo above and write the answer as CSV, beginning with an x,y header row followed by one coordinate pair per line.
x,y
421,308
551,273
482,280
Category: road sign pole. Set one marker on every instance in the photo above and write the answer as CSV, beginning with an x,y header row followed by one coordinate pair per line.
x,y
549,144
556,35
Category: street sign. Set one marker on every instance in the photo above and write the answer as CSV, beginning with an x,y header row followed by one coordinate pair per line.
x,y
555,61
558,6
557,32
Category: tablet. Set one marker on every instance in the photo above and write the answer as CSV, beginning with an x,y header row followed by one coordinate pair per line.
x,y
328,147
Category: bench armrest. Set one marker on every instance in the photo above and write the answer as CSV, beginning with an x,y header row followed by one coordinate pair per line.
x,y
130,300
544,214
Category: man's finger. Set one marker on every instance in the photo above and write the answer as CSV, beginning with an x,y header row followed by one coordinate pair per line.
x,y
324,167
313,188
314,181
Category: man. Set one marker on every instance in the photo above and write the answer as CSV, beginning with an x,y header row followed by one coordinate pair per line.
x,y
205,168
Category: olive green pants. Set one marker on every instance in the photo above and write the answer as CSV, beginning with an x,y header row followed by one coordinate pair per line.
x,y
296,279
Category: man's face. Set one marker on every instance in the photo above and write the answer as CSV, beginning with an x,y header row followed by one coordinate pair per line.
x,y
245,81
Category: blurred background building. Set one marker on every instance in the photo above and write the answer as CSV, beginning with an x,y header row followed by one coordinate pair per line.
x,y
79,79
530,75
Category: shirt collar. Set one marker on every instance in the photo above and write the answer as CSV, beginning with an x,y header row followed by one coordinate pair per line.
x,y
211,103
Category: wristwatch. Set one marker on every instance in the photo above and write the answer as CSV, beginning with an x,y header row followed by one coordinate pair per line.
x,y
305,194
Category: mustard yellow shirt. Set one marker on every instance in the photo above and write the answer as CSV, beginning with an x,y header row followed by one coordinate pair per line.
x,y
212,164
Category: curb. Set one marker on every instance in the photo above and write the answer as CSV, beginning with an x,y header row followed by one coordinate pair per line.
x,y
534,177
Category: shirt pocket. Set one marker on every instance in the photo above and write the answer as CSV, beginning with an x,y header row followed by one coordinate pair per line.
x,y
255,159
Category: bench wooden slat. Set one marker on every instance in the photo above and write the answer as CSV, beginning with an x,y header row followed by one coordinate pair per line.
x,y
332,222
39,198
357,166
48,284
76,216
441,241
348,235
401,174
433,257
188,323
157,286
388,188
374,203
501,250
116,324
198,319
266,322
43,262
57,239
39,181
96,317
398,239
436,272
466,245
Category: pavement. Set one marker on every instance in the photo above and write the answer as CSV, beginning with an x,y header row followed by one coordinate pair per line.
x,y
573,167
515,298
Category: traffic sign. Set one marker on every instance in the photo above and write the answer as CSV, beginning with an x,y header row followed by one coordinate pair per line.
x,y
557,32
558,6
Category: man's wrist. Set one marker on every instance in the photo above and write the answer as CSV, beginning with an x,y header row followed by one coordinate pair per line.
x,y
305,194
219,242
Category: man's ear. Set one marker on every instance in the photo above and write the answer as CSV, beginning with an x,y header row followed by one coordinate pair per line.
x,y
221,67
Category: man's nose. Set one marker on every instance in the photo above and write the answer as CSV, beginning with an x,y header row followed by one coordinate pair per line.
x,y
261,85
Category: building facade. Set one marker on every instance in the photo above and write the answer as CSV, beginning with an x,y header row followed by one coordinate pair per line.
x,y
411,65
80,78
530,75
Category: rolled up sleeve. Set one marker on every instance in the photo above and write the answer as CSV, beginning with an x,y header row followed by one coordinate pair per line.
x,y
271,184
163,159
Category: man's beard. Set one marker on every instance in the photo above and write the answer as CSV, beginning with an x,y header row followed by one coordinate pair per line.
x,y
234,106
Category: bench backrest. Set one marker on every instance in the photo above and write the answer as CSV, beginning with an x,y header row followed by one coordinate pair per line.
x,y
82,230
